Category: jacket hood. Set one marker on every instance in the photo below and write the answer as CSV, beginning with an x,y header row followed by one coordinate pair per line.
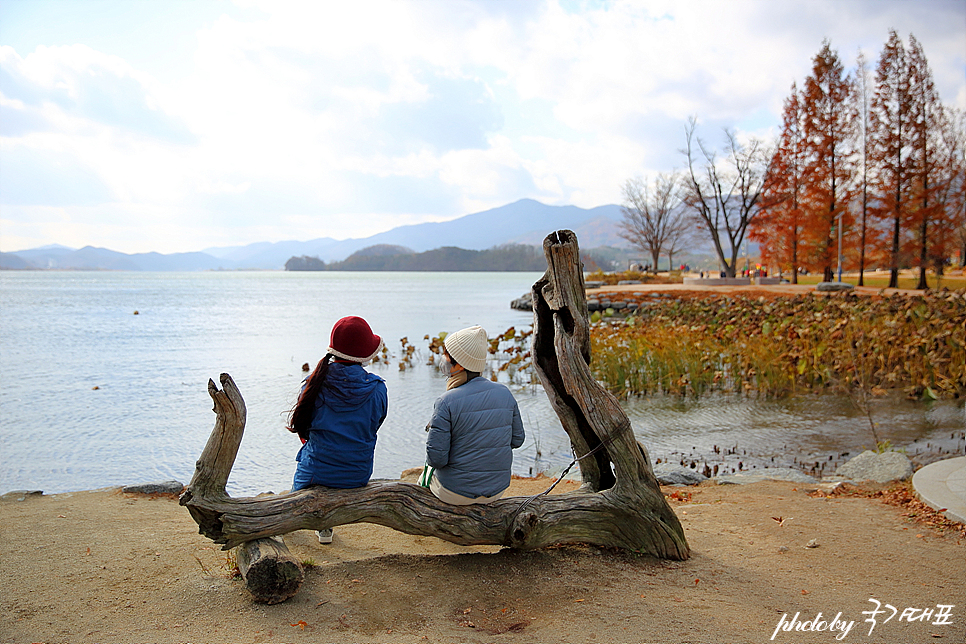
x,y
348,386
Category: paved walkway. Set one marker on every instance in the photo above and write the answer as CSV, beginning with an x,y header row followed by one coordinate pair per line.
x,y
942,486
750,290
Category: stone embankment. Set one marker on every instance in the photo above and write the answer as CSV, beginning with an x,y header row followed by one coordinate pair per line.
x,y
606,304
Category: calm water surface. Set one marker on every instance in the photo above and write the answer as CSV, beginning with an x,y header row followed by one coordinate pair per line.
x,y
92,395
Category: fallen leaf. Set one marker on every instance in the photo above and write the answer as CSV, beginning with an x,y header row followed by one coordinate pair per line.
x,y
301,624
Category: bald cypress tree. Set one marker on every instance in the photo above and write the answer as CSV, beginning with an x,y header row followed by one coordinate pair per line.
x,y
778,227
828,135
891,150
926,113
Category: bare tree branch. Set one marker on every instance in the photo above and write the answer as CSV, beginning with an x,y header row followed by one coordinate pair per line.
x,y
724,196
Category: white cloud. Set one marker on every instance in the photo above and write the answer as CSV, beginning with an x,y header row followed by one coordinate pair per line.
x,y
297,120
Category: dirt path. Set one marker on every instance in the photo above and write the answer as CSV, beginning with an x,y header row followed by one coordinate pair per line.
x,y
107,567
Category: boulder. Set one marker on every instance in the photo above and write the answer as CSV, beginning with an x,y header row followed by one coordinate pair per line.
x,y
832,287
764,474
881,468
523,303
673,474
21,495
162,487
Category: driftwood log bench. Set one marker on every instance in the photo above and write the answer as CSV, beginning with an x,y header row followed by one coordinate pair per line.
x,y
619,503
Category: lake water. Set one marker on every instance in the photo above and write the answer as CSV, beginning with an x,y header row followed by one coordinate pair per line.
x,y
92,395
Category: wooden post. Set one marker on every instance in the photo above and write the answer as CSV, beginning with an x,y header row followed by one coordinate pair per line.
x,y
271,573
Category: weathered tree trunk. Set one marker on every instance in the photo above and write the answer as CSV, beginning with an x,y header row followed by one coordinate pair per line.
x,y
272,574
619,507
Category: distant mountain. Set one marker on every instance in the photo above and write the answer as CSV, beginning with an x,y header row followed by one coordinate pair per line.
x,y
10,260
522,222
91,258
271,255
524,219
509,257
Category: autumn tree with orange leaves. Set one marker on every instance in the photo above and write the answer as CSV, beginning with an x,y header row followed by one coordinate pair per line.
x,y
778,227
881,162
810,181
828,136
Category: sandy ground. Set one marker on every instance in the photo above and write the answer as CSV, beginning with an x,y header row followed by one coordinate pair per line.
x,y
108,567
104,566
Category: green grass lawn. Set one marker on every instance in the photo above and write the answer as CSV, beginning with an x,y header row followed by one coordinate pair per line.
x,y
906,281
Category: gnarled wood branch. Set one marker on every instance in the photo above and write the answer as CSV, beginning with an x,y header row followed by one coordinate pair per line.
x,y
620,506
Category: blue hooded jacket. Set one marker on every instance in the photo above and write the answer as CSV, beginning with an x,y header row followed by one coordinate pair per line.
x,y
342,435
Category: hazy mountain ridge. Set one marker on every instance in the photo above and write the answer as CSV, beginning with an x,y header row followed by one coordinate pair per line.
x,y
522,222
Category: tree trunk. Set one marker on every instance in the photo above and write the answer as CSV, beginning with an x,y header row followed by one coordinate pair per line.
x,y
616,507
271,573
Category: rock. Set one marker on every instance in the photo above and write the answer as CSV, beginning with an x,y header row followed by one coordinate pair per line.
x,y
523,303
593,284
20,495
881,468
593,305
764,474
411,475
163,487
831,287
628,282
617,306
673,474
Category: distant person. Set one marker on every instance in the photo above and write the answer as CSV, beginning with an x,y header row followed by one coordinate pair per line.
x,y
475,425
338,412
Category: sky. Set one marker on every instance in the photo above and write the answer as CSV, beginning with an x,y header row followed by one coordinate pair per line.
x,y
179,125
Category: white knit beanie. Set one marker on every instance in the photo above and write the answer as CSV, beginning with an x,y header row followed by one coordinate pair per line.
x,y
468,347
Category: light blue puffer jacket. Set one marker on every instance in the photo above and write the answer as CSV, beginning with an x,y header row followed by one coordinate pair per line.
x,y
473,430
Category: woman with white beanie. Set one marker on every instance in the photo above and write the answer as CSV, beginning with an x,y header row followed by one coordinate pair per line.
x,y
475,425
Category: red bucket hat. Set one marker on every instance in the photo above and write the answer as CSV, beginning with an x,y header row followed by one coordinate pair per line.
x,y
352,339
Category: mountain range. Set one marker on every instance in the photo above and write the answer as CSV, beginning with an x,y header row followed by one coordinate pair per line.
x,y
522,222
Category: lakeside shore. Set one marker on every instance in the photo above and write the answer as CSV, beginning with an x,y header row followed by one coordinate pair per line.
x,y
104,566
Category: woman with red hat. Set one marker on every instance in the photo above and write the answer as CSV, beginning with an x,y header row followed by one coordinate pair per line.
x,y
338,412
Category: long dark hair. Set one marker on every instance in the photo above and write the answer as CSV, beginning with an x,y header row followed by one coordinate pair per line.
x,y
301,417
